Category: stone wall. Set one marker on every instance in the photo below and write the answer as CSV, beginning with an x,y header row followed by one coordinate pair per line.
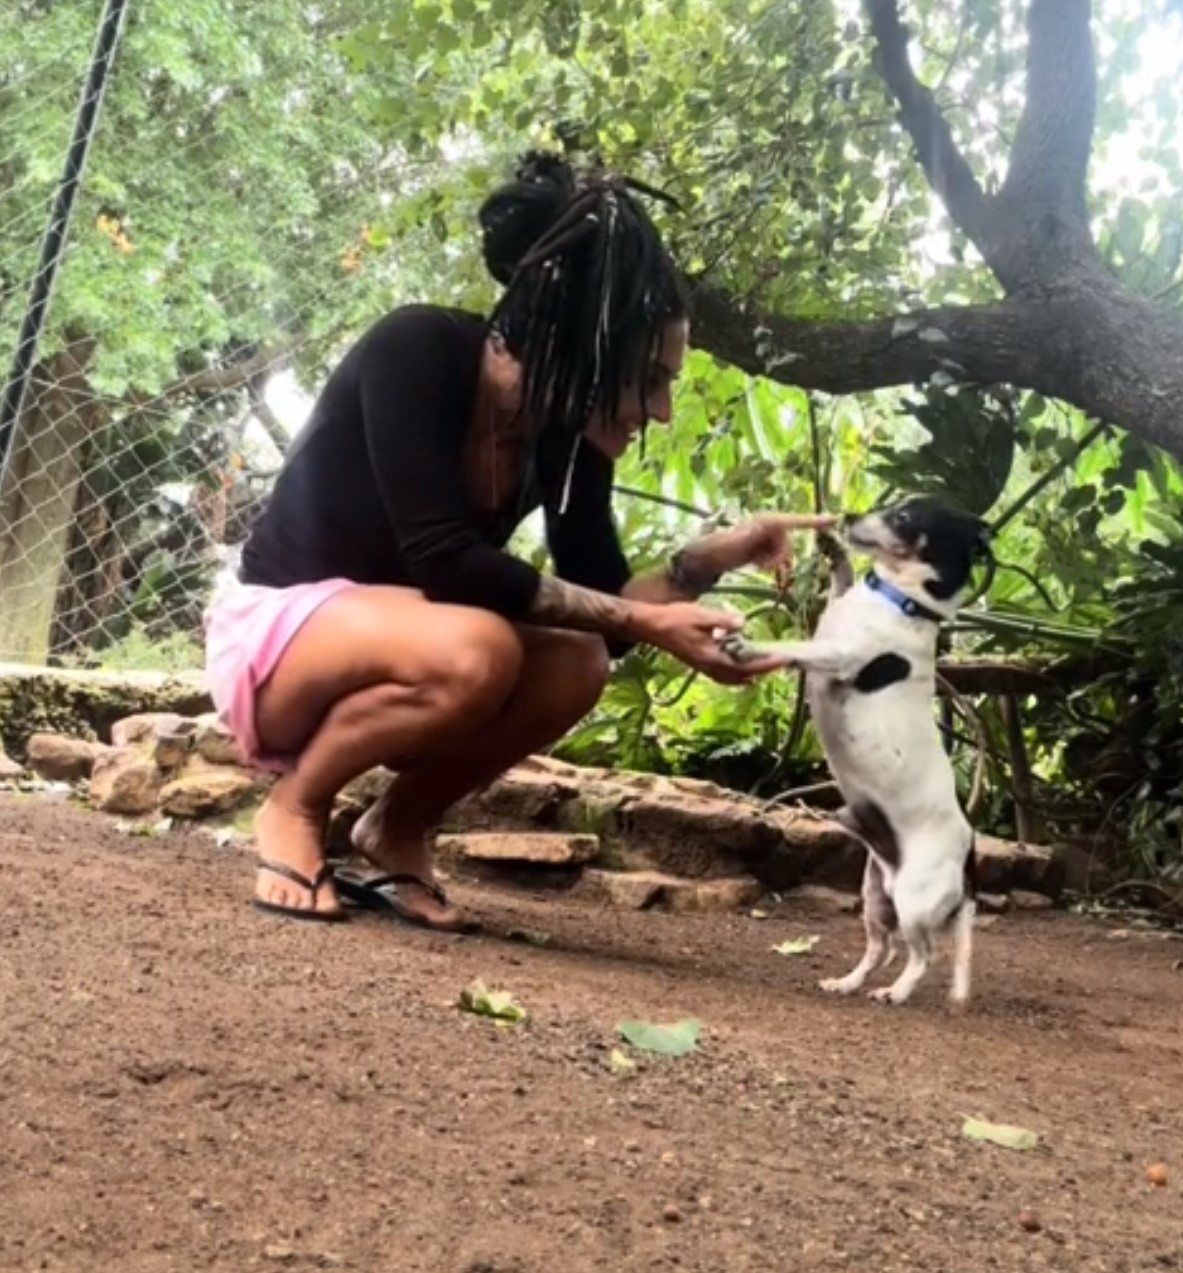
x,y
85,704
631,839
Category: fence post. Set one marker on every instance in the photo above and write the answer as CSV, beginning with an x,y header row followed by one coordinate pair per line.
x,y
53,246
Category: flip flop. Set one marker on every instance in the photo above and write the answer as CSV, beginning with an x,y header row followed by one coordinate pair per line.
x,y
313,885
379,893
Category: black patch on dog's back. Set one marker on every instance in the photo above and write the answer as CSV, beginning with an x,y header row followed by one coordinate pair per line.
x,y
882,671
869,823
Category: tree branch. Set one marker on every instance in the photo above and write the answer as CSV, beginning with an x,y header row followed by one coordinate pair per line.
x,y
1091,343
214,380
849,357
944,165
1053,143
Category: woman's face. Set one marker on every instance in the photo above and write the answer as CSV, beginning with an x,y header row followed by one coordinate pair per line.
x,y
650,402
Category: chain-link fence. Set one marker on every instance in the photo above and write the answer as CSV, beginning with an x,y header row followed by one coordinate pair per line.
x,y
186,199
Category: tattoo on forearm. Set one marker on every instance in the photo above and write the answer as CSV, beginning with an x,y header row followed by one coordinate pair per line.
x,y
566,605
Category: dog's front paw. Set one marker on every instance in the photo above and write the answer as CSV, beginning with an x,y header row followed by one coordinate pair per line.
x,y
889,995
830,546
840,985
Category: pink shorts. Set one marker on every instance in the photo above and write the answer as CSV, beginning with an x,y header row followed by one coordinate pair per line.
x,y
247,630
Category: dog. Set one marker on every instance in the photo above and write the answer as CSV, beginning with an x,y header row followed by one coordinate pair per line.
x,y
870,682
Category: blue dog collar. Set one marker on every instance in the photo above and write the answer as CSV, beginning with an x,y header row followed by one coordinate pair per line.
x,y
901,600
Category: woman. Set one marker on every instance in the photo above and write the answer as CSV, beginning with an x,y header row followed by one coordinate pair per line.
x,y
377,619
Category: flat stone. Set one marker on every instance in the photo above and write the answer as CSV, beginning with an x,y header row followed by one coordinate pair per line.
x,y
832,900
551,765
206,792
214,743
532,848
993,903
639,890
1004,865
124,781
1022,900
729,893
57,758
1074,869
170,749
522,796
148,726
627,890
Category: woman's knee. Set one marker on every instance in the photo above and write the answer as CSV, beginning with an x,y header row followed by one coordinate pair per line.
x,y
478,664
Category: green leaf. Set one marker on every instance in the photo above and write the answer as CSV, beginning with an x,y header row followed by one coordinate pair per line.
x,y
498,1004
668,1040
1017,1138
797,946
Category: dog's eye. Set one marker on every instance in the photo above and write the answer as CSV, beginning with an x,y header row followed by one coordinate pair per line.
x,y
903,517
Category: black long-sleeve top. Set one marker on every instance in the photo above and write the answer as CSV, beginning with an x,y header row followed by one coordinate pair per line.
x,y
373,487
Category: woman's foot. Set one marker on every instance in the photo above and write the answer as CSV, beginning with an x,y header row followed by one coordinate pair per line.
x,y
416,896
291,839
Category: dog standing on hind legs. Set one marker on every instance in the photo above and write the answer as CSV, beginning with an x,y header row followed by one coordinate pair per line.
x,y
870,680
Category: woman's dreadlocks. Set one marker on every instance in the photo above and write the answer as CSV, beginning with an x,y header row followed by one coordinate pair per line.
x,y
589,287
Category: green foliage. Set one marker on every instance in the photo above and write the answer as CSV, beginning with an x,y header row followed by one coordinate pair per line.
x,y
968,455
140,652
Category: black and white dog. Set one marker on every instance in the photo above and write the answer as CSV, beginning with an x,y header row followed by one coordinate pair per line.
x,y
871,683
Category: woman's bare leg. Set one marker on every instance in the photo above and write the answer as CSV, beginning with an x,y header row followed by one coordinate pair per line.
x,y
561,680
376,676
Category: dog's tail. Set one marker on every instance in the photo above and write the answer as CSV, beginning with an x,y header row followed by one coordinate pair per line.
x,y
963,930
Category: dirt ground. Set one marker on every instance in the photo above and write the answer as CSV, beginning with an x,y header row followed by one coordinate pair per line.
x,y
188,1085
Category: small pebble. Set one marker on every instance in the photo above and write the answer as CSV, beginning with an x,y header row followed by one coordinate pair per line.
x,y
671,1214
1030,1221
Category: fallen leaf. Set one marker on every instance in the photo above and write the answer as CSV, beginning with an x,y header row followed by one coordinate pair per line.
x,y
620,1063
999,1134
498,1004
668,1040
797,946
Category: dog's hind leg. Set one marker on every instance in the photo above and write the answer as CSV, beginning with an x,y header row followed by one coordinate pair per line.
x,y
963,930
879,920
963,940
918,943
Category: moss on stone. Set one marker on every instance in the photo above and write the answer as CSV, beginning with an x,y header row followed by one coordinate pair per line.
x,y
84,704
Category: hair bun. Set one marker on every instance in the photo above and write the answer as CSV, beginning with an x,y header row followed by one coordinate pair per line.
x,y
514,217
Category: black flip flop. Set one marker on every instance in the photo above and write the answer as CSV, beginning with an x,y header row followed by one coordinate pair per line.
x,y
380,893
313,885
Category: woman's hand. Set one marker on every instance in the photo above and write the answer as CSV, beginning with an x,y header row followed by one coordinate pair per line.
x,y
761,541
691,634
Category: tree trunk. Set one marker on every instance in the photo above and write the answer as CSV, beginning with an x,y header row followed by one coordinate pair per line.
x,y
38,499
92,579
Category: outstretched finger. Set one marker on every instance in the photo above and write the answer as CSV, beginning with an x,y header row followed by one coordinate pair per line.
x,y
800,521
